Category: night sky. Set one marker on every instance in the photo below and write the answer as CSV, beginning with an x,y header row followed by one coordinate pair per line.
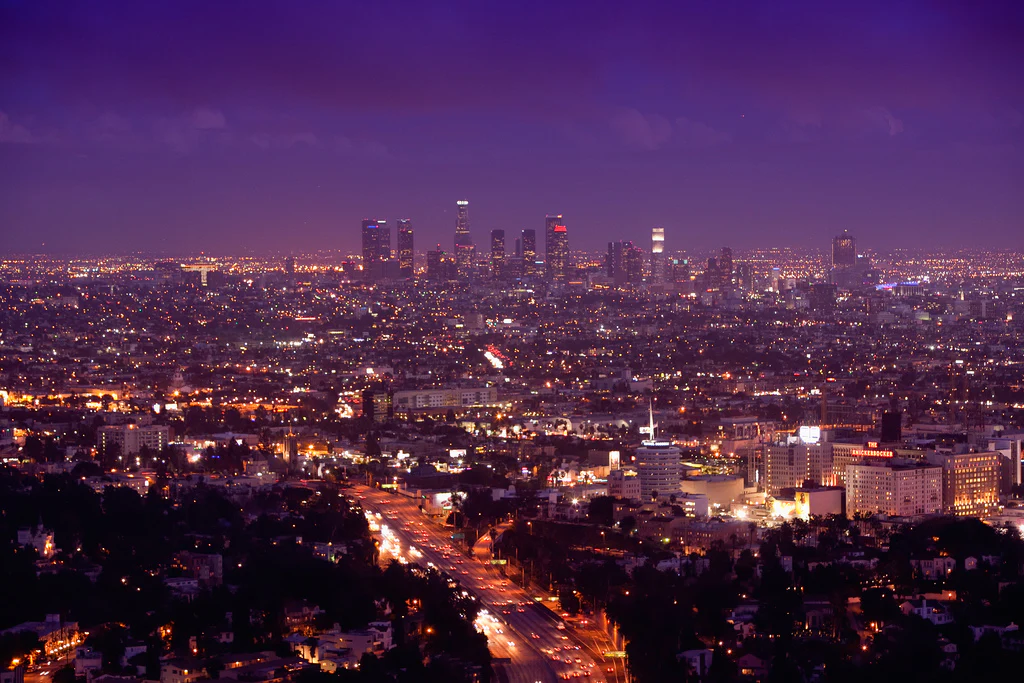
x,y
277,126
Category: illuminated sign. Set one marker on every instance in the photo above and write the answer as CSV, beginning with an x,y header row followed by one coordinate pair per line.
x,y
863,453
560,228
809,435
614,458
872,444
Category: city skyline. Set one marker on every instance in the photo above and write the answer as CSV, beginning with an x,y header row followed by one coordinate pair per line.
x,y
464,342
905,128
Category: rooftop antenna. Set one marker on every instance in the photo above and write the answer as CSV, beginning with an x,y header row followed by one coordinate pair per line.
x,y
651,406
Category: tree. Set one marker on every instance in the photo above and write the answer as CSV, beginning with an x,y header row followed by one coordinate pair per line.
x,y
569,601
372,445
601,510
33,448
66,674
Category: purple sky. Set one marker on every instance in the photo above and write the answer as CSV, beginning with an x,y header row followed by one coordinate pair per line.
x,y
257,125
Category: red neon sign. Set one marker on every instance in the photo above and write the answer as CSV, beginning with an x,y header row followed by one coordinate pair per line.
x,y
872,454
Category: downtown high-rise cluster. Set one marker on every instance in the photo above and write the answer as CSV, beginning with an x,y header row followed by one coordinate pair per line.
x,y
522,260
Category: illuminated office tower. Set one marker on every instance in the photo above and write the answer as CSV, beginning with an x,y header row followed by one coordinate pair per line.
x,y
557,251
624,263
725,266
439,265
848,270
376,248
405,248
657,255
556,246
844,251
550,221
498,253
680,270
463,242
529,253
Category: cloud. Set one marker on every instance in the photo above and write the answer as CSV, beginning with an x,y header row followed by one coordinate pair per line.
x,y
882,118
208,119
111,127
14,133
653,131
284,140
183,134
639,130
696,134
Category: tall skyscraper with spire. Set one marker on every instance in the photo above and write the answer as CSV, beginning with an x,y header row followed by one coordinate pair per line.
x,y
405,248
463,242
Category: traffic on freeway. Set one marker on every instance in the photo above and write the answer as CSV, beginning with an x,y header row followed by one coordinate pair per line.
x,y
531,640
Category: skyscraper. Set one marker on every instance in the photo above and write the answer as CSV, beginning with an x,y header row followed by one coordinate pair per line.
x,y
725,266
376,248
529,253
680,271
557,261
844,251
657,255
624,263
463,242
553,245
439,265
848,270
405,248
498,253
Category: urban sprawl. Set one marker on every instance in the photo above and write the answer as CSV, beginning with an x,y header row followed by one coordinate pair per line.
x,y
513,461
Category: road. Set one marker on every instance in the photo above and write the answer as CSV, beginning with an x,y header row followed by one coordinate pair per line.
x,y
44,672
517,627
594,639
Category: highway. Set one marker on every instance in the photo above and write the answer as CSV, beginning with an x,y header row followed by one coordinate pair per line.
x,y
585,632
517,627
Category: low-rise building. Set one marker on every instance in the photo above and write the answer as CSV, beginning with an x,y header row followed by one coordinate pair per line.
x,y
934,612
624,483
722,490
182,670
970,482
898,488
129,439
39,538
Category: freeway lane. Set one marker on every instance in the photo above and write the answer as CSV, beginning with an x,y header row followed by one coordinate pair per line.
x,y
593,638
516,626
